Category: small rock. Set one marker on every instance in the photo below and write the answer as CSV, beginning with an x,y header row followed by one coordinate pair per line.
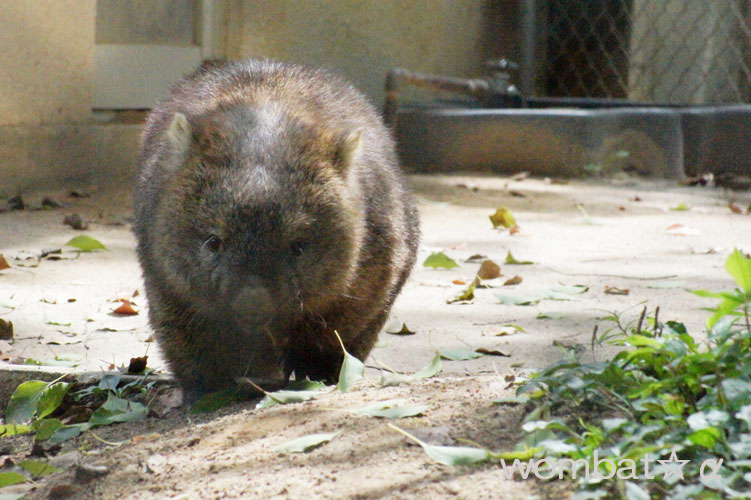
x,y
489,270
65,460
76,221
85,472
16,203
155,464
63,490
49,204
437,436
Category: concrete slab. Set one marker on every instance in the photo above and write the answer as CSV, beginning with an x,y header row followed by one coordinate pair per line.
x,y
657,141
597,234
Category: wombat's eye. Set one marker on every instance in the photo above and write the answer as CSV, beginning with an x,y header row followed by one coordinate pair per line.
x,y
297,247
213,243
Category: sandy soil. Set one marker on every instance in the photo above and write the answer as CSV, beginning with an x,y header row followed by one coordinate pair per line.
x,y
598,234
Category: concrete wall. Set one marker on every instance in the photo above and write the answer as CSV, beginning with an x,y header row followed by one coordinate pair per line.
x,y
364,39
48,139
47,59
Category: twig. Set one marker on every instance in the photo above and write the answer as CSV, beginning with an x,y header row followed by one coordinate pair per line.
x,y
592,344
641,320
645,278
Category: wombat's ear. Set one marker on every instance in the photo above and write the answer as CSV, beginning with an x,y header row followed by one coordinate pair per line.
x,y
178,134
349,149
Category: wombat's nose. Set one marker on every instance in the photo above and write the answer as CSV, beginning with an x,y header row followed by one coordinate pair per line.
x,y
253,304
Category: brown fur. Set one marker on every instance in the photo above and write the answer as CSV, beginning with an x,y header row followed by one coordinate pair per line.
x,y
293,174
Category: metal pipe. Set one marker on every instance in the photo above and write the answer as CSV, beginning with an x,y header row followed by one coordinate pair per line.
x,y
479,89
528,47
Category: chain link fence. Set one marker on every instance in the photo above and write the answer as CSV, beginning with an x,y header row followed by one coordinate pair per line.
x,y
659,51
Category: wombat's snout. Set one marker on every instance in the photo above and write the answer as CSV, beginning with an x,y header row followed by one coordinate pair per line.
x,y
253,303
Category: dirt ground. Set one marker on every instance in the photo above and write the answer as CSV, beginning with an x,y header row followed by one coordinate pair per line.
x,y
620,234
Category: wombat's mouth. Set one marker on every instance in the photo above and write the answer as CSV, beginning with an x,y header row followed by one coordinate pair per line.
x,y
253,306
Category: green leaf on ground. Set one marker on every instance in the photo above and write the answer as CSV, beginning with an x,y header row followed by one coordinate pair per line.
x,y
391,409
391,379
430,370
440,260
284,397
23,402
10,478
37,468
570,290
456,455
449,455
51,398
307,385
13,430
67,432
665,284
549,315
510,259
51,319
306,443
117,410
459,354
46,428
512,400
85,243
351,371
467,294
516,300
680,207
551,294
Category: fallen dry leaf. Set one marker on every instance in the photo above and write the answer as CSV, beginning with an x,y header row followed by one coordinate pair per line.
x,y
403,331
3,263
520,176
459,282
732,206
682,230
148,437
614,290
699,180
6,329
513,281
489,270
137,365
503,218
476,258
126,308
492,352
466,295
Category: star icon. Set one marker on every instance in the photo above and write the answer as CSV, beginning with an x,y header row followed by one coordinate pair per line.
x,y
673,467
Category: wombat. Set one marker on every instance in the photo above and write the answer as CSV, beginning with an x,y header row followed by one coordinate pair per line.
x,y
270,212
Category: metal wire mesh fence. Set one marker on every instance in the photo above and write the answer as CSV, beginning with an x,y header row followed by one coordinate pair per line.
x,y
660,51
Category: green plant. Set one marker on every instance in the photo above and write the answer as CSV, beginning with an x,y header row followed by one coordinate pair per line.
x,y
664,395
34,405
